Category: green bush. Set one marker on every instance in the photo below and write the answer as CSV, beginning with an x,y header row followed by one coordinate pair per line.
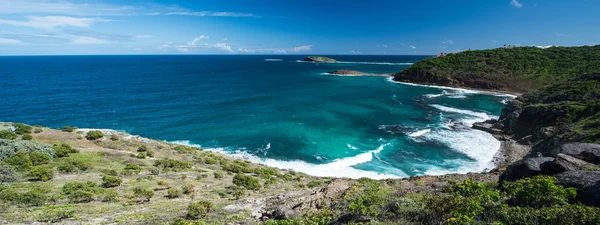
x,y
27,137
37,130
239,193
187,189
94,135
63,150
68,129
199,210
109,181
22,128
66,167
538,192
10,147
142,148
42,173
210,161
8,175
38,158
141,155
266,173
218,175
109,196
143,194
110,172
186,149
4,134
367,199
173,192
80,164
246,181
187,222
54,214
131,168
20,161
173,164
114,137
33,197
150,153
80,191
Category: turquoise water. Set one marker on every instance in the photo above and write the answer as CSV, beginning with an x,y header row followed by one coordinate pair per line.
x,y
274,110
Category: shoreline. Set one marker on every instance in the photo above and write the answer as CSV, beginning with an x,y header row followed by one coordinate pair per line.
x,y
433,85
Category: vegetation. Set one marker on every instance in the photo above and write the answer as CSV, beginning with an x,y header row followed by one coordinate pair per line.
x,y
4,134
246,181
199,210
94,135
22,129
68,128
109,181
26,137
515,69
63,150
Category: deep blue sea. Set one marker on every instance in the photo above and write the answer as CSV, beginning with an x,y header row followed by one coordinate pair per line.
x,y
274,110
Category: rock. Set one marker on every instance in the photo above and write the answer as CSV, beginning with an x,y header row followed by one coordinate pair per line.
x,y
587,184
527,167
487,127
318,59
346,72
584,151
564,163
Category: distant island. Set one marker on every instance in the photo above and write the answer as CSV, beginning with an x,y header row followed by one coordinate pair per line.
x,y
319,59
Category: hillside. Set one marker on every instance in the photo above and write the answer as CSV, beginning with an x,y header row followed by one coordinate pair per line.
x,y
516,69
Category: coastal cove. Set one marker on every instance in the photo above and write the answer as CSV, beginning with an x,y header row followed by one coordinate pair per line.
x,y
300,119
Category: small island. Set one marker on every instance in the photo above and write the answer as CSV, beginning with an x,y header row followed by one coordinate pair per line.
x,y
319,59
347,72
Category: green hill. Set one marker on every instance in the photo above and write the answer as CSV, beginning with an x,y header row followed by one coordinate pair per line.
x,y
510,69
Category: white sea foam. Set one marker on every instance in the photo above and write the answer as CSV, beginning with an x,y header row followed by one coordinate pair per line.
x,y
391,79
419,133
338,168
479,115
273,60
351,147
368,63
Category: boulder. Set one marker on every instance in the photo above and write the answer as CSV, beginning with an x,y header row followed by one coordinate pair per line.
x,y
564,163
527,167
587,184
487,127
584,151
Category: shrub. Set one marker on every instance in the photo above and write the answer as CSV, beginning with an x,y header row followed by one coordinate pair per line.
x,y
19,160
368,199
4,134
38,158
54,214
210,161
110,172
37,130
66,167
42,173
80,191
80,164
186,149
114,137
218,175
9,148
63,150
246,181
150,153
131,168
187,189
141,155
109,181
22,128
34,197
539,191
314,183
142,148
173,192
109,196
27,137
68,129
199,210
239,193
155,171
94,135
143,194
81,196
266,172
7,175
187,222
173,164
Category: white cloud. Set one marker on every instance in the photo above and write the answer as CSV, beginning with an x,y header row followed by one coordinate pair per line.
x,y
516,3
545,46
448,42
196,40
245,50
209,13
9,41
224,47
413,47
48,22
144,36
303,48
354,52
82,40
382,46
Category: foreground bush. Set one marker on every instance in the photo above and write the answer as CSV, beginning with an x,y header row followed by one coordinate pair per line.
x,y
246,181
63,150
538,192
27,137
42,173
143,194
109,181
22,128
94,135
55,214
7,175
68,129
33,197
10,147
4,134
173,164
199,210
80,191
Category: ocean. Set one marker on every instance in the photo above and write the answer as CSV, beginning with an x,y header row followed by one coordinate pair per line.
x,y
271,109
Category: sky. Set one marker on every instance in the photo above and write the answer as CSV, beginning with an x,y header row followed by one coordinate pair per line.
x,y
424,27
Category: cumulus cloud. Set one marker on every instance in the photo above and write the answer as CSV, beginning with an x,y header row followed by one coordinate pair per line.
x,y
303,48
82,40
48,22
448,42
224,47
143,36
413,47
9,41
196,40
516,3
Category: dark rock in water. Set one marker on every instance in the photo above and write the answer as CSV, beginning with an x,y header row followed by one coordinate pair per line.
x,y
587,184
347,72
396,129
487,127
564,163
527,167
318,59
584,151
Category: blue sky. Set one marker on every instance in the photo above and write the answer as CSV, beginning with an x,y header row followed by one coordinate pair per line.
x,y
41,27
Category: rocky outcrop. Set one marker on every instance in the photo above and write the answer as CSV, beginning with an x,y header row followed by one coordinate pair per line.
x,y
587,184
563,163
527,167
347,72
319,59
584,151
